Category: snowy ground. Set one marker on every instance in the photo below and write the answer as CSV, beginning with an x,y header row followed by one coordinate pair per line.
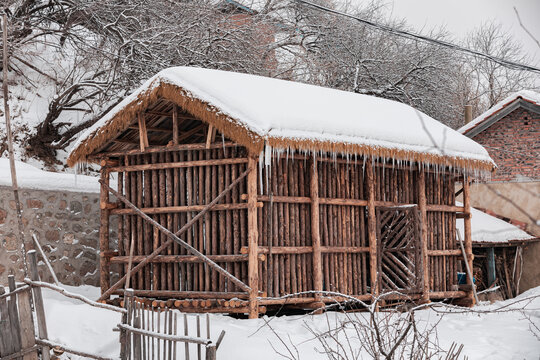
x,y
501,335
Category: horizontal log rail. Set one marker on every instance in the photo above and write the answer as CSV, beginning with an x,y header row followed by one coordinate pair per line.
x,y
167,337
155,149
185,208
175,165
184,258
186,294
449,252
279,250
351,202
174,237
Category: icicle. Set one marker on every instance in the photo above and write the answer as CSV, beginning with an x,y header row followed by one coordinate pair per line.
x,y
261,163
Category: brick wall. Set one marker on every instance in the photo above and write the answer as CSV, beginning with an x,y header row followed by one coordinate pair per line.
x,y
67,226
514,144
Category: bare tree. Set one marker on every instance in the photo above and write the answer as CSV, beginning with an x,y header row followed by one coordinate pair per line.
x,y
490,82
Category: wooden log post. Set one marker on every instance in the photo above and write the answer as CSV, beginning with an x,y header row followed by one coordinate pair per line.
x,y
175,124
253,235
38,304
372,229
468,233
422,207
26,325
104,266
315,233
143,134
14,315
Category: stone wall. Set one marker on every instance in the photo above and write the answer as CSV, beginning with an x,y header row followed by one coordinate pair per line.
x,y
67,226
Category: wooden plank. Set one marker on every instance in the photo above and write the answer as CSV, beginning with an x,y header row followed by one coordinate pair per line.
x,y
253,264
14,315
183,164
38,304
6,343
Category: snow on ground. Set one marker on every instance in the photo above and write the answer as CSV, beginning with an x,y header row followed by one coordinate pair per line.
x,y
29,177
501,335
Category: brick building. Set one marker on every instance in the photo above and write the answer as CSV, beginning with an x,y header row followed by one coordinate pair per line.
x,y
510,132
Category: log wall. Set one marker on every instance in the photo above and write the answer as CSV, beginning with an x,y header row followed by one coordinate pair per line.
x,y
173,186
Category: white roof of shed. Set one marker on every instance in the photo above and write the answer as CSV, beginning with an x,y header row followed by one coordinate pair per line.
x,y
306,117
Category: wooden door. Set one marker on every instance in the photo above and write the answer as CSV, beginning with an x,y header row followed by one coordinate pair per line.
x,y
399,249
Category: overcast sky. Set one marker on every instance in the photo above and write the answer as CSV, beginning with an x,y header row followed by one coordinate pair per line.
x,y
461,16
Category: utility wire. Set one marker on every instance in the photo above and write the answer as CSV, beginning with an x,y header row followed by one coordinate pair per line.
x,y
413,36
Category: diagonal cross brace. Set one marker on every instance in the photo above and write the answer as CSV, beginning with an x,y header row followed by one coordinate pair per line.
x,y
174,238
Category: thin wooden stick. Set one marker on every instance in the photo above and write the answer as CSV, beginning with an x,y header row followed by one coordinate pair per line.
x,y
14,185
469,272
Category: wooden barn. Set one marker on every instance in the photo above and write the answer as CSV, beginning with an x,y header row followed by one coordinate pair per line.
x,y
235,193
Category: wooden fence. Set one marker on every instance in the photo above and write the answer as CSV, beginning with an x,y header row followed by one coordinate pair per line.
x,y
145,333
151,333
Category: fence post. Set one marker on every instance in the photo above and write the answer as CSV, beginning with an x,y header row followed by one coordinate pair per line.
x,y
6,343
14,315
38,304
210,352
125,337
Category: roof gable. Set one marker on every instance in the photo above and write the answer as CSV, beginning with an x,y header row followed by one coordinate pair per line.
x,y
259,112
526,99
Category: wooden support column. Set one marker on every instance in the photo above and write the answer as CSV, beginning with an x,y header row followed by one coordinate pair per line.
x,y
143,134
253,235
467,232
104,267
422,207
372,229
175,125
315,233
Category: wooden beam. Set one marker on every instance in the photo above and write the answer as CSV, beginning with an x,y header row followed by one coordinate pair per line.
x,y
183,208
174,165
253,235
467,231
191,132
175,125
450,252
143,135
278,250
210,136
315,230
160,148
149,128
174,237
183,258
421,187
372,229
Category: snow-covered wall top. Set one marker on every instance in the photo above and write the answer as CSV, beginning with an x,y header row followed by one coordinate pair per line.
x,y
29,177
489,229
527,95
290,115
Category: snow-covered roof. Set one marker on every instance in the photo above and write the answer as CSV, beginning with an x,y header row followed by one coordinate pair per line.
x,y
525,95
489,229
257,111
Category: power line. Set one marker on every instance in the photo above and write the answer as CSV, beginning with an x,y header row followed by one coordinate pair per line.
x,y
413,36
